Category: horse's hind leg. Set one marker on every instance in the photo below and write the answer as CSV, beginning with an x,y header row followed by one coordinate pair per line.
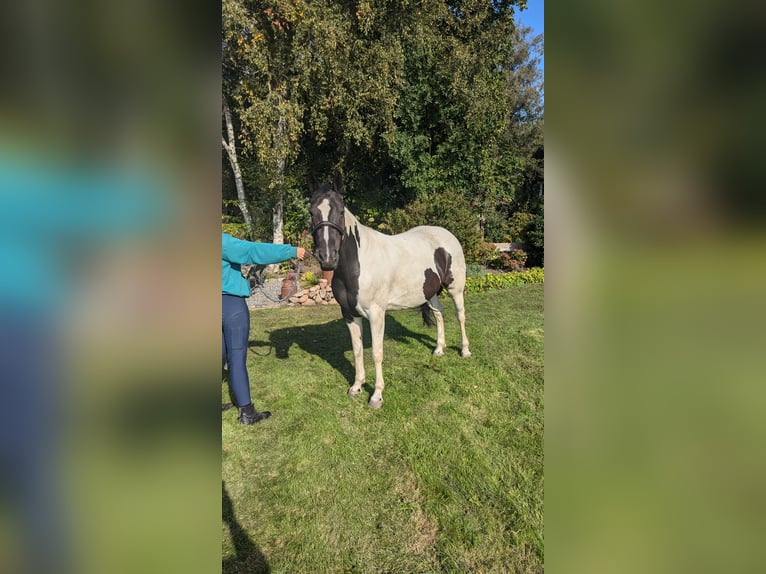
x,y
457,297
438,309
355,329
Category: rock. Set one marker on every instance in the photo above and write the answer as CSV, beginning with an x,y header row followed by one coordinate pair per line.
x,y
303,299
294,299
309,303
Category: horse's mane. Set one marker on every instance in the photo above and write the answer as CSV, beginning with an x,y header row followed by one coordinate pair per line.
x,y
352,220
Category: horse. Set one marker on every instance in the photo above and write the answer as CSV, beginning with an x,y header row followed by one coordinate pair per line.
x,y
374,273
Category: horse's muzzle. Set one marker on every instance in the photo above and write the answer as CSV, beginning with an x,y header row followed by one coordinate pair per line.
x,y
328,266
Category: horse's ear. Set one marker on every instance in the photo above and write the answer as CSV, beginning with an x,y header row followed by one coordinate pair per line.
x,y
312,183
338,181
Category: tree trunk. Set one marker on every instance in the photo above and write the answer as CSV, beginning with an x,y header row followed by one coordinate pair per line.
x,y
278,214
231,151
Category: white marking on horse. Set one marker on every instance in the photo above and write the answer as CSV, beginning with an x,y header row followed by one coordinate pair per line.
x,y
324,208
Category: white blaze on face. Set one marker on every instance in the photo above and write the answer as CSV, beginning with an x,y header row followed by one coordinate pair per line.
x,y
324,209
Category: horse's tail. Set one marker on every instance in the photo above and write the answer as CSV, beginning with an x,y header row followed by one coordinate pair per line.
x,y
428,314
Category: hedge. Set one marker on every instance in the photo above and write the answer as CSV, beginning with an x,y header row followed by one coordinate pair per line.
x,y
502,280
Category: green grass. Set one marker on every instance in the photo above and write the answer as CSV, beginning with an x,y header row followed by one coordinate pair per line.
x,y
446,477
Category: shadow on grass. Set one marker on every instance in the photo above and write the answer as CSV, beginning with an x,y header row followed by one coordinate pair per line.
x,y
331,341
248,557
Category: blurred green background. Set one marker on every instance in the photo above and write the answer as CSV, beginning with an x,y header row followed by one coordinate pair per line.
x,y
655,278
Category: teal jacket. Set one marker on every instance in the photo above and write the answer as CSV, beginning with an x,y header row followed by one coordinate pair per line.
x,y
51,213
238,252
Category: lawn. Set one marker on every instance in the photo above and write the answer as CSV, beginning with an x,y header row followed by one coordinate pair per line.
x,y
446,477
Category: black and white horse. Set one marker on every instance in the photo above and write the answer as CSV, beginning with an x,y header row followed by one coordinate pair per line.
x,y
374,272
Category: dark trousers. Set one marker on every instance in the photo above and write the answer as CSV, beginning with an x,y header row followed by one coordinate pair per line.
x,y
236,333
30,426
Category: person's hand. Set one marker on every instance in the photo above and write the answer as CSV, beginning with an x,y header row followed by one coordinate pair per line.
x,y
301,252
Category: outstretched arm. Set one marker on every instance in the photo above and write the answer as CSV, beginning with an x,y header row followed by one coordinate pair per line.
x,y
251,253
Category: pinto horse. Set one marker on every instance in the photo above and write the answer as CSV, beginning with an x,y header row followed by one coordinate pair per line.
x,y
374,273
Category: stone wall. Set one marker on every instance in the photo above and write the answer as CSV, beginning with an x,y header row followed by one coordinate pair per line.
x,y
320,294
508,247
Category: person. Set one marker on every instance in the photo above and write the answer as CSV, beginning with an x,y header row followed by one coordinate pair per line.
x,y
236,317
51,209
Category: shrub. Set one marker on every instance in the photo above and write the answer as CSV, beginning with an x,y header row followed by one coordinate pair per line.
x,y
501,281
513,261
535,239
488,255
475,270
519,224
517,259
309,278
238,230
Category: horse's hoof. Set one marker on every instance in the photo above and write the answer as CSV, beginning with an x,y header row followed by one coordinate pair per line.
x,y
438,352
465,353
376,404
352,392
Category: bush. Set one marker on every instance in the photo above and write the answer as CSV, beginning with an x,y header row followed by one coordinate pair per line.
x,y
501,281
475,270
519,224
488,255
535,239
309,279
513,261
238,230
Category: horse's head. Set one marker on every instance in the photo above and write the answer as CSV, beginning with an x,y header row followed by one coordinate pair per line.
x,y
328,223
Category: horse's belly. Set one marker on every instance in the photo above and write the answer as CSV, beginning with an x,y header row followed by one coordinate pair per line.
x,y
398,306
393,302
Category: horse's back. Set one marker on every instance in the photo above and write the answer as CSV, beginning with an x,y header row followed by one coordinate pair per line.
x,y
436,237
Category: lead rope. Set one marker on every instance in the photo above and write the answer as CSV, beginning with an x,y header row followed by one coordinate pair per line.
x,y
255,277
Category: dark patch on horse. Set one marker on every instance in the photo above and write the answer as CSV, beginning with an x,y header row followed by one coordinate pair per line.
x,y
345,280
356,233
443,262
432,284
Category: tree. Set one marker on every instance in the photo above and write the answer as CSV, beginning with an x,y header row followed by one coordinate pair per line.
x,y
461,113
407,98
230,146
261,75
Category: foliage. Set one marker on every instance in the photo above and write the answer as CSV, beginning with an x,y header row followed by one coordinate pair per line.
x,y
466,118
513,261
518,225
406,98
492,257
238,230
502,280
518,256
447,477
475,270
535,239
308,278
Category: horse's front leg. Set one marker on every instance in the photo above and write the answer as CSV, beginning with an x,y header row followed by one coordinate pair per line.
x,y
355,329
377,329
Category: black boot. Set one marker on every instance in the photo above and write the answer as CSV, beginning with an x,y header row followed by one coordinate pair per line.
x,y
248,415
